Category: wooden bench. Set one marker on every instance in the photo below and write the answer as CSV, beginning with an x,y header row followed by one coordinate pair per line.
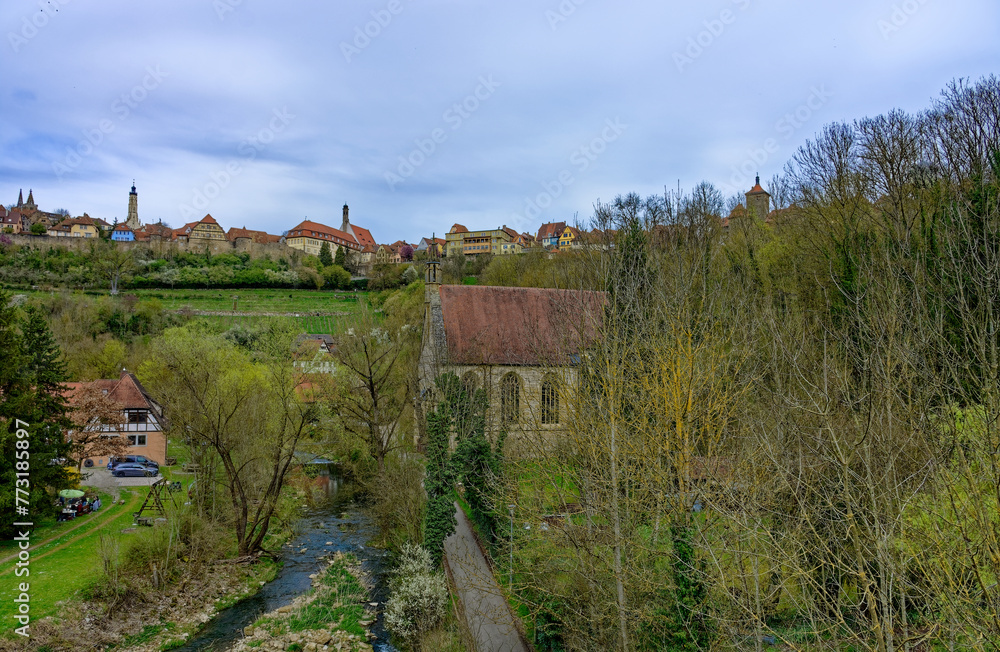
x,y
191,468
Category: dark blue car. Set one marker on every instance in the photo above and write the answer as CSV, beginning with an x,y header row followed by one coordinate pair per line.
x,y
132,469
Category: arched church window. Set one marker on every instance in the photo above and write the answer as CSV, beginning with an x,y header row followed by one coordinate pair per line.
x,y
510,399
550,399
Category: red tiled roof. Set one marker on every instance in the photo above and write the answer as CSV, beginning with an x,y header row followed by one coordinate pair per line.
x,y
509,231
518,326
551,230
257,236
122,226
127,391
208,219
307,228
458,228
756,190
363,235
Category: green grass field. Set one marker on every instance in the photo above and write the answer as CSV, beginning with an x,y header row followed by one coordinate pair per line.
x,y
316,311
249,300
64,564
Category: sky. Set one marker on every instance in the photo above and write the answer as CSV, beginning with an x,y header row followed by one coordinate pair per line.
x,y
420,115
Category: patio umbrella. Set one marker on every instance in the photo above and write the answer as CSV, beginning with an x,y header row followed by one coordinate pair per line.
x,y
71,493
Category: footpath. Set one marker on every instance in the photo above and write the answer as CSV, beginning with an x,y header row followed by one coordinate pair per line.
x,y
486,612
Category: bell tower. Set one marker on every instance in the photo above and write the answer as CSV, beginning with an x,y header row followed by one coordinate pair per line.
x,y
132,221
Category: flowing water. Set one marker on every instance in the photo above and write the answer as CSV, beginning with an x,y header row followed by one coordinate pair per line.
x,y
335,515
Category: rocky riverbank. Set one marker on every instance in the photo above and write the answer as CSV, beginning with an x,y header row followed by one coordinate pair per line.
x,y
333,615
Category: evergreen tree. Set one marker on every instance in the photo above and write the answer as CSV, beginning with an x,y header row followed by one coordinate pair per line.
x,y
340,259
325,257
31,377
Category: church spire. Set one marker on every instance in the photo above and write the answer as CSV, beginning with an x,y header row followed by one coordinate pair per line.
x,y
20,198
31,198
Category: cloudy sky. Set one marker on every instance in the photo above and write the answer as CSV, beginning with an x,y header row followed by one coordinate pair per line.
x,y
423,114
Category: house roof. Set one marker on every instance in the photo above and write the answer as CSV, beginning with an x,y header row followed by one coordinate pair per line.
x,y
306,228
3,211
551,230
208,219
183,231
458,228
256,236
127,391
122,226
518,326
362,235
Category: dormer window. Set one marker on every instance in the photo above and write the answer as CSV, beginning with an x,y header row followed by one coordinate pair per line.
x,y
137,417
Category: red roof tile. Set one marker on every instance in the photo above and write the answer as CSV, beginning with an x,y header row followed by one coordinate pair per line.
x,y
458,228
307,228
551,230
363,235
518,326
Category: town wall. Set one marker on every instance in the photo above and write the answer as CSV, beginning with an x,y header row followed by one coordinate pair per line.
x,y
163,248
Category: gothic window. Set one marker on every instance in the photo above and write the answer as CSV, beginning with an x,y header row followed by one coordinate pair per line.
x,y
470,383
550,399
510,399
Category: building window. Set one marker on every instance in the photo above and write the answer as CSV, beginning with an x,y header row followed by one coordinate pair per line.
x,y
137,417
550,399
470,383
510,399
137,440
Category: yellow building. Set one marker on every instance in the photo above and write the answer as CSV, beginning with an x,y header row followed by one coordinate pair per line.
x,y
206,229
76,227
310,236
569,239
472,243
453,240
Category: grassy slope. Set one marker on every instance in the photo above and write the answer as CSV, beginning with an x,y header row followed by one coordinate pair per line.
x,y
58,573
249,300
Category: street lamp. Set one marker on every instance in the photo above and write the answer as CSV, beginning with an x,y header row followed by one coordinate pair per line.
x,y
510,508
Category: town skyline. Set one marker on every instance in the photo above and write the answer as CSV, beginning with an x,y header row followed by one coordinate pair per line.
x,y
418,115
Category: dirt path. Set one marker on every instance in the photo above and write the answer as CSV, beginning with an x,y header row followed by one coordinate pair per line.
x,y
486,612
111,515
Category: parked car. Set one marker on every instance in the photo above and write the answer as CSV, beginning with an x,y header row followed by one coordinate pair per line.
x,y
134,469
133,459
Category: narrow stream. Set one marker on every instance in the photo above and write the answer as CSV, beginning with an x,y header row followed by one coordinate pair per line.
x,y
335,515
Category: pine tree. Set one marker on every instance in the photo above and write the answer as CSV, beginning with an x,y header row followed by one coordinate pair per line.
x,y
31,377
341,258
325,257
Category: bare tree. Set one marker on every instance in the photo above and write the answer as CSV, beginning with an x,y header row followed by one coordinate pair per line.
x,y
99,419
